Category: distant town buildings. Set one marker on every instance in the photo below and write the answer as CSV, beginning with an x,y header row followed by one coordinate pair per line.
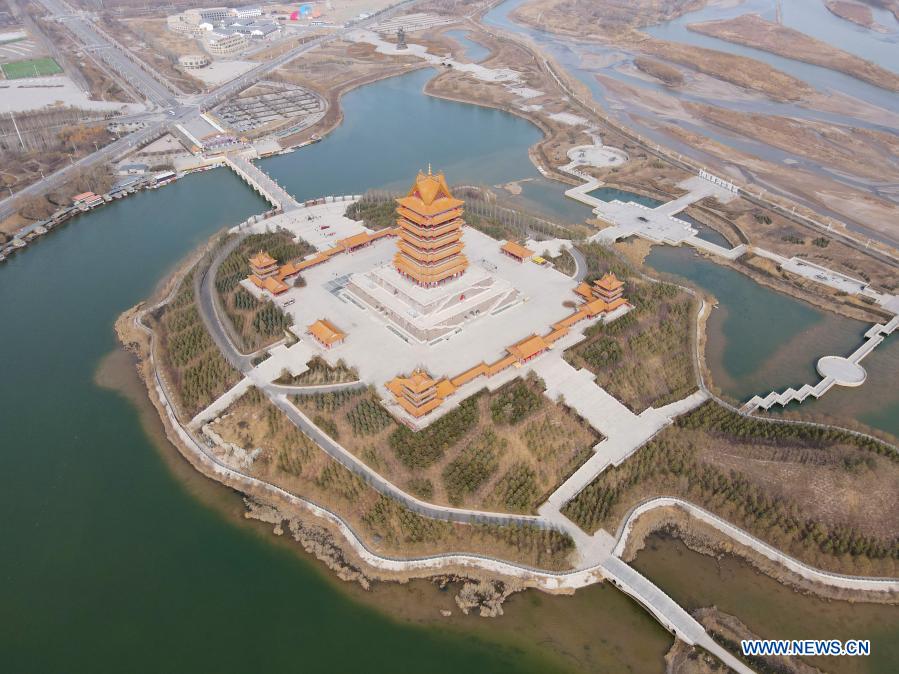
x,y
224,43
224,31
193,61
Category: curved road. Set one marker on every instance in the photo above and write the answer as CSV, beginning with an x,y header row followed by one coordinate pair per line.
x,y
208,308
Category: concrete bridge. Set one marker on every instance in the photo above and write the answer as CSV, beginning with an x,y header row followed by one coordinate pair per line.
x,y
261,183
834,370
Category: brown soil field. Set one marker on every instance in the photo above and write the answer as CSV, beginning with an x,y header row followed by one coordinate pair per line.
x,y
536,453
865,153
766,484
282,455
849,203
661,71
753,31
585,18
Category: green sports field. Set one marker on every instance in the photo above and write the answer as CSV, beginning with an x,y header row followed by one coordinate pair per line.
x,y
30,68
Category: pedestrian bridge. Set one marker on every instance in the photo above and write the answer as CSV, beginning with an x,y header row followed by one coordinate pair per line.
x,y
261,183
835,370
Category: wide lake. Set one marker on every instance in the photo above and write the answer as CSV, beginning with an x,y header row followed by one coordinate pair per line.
x,y
118,557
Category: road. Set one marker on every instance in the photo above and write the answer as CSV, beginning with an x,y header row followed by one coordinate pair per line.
x,y
176,109
114,57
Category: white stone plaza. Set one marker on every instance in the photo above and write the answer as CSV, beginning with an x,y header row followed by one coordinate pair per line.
x,y
524,299
432,314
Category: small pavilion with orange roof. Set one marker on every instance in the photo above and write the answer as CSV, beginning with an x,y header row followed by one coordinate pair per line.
x,y
326,333
605,295
265,274
419,393
516,251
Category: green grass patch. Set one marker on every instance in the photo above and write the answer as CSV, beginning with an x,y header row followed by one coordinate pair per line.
x,y
30,68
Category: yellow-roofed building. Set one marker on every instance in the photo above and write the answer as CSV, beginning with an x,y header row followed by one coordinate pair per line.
x,y
516,251
326,333
419,393
430,232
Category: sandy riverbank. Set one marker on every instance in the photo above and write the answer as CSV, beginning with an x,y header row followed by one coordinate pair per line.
x,y
753,31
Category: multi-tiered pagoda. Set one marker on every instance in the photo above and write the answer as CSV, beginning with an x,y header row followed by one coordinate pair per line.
x,y
430,236
430,290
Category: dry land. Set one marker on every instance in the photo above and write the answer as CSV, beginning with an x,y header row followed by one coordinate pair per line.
x,y
152,41
817,494
742,71
753,31
645,357
847,202
866,153
278,452
502,451
192,364
661,71
587,18
852,11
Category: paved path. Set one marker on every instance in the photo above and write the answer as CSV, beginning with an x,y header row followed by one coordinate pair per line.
x,y
624,431
831,375
801,569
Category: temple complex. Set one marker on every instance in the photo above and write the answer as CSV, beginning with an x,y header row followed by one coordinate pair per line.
x,y
444,302
431,290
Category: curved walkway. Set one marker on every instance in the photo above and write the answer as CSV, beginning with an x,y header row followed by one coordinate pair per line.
x,y
862,583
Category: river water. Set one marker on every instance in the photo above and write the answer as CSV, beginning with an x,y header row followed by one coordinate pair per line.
x,y
768,609
590,61
117,557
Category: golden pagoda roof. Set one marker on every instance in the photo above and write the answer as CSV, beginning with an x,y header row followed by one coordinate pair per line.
x,y
609,282
262,260
325,331
418,382
429,195
584,290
